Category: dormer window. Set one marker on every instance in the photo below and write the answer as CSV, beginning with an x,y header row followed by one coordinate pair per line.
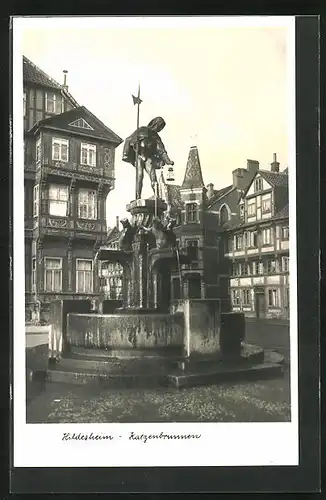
x,y
241,210
88,154
258,184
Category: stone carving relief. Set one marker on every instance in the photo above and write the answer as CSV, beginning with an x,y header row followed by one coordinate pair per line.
x,y
86,225
60,223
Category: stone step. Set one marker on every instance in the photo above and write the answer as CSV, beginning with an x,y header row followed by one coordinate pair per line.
x,y
116,366
166,379
100,354
230,374
109,380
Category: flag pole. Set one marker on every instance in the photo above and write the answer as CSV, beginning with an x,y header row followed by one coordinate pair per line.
x,y
138,104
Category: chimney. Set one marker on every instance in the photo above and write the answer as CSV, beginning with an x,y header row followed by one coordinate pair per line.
x,y
239,178
210,190
252,166
275,166
65,86
117,221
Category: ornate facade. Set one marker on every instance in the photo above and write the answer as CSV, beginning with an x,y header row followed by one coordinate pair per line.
x,y
68,171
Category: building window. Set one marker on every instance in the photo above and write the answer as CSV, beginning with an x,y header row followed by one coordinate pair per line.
x,y
33,275
191,212
267,236
58,200
244,269
84,276
24,103
224,214
36,200
257,267
285,264
87,204
53,274
88,155
266,205
272,298
115,288
258,184
38,150
251,208
60,149
50,103
285,233
235,296
241,210
271,266
238,240
192,249
246,297
252,239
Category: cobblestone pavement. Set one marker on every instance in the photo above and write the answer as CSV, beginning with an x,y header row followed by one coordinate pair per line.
x,y
260,401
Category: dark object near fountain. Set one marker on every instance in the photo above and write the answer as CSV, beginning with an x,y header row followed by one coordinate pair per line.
x,y
232,334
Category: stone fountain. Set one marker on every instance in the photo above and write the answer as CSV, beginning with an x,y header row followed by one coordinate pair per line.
x,y
151,339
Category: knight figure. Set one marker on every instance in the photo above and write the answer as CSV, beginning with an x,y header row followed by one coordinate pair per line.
x,y
151,155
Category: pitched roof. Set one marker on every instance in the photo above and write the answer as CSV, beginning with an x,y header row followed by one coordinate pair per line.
x,y
193,175
284,212
275,178
218,193
35,75
66,121
113,234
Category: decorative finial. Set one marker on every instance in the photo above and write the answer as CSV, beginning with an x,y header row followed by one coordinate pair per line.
x,y
193,140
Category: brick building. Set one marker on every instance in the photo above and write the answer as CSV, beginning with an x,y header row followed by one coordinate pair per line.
x,y
69,159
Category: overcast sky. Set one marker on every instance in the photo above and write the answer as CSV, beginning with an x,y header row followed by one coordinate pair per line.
x,y
223,88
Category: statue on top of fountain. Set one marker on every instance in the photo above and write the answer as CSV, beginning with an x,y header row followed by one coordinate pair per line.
x,y
152,154
163,233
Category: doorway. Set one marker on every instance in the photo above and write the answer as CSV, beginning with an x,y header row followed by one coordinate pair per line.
x,y
260,304
194,287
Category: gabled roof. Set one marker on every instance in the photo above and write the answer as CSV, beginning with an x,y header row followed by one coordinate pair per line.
x,y
275,179
34,75
113,234
193,176
65,121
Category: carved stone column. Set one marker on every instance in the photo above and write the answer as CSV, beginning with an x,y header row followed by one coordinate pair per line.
x,y
40,266
44,191
139,271
72,198
100,202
